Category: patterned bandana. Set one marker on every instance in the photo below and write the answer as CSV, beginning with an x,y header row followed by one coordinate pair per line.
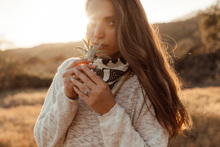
x,y
111,71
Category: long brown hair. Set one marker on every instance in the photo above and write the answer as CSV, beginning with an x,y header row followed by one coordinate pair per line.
x,y
142,48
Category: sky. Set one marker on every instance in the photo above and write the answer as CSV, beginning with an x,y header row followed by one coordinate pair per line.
x,y
27,23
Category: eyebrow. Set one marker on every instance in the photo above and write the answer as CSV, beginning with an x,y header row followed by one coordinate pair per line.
x,y
109,17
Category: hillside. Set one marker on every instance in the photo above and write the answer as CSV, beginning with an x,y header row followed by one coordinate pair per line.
x,y
200,70
186,17
179,30
47,51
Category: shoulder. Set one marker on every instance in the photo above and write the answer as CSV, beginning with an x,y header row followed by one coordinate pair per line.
x,y
132,80
132,85
131,92
132,89
65,64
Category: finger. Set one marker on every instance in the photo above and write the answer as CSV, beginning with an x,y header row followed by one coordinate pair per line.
x,y
72,80
81,94
75,77
90,66
85,79
80,85
68,84
91,75
78,61
78,67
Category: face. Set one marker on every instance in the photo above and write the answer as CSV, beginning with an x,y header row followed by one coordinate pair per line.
x,y
101,26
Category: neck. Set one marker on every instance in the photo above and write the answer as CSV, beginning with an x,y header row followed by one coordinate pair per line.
x,y
116,56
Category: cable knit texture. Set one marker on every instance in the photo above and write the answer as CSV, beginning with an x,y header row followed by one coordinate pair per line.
x,y
68,123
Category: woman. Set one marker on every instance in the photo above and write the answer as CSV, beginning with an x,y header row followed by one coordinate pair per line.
x,y
131,100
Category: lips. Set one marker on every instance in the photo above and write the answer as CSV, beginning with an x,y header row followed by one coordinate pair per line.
x,y
102,46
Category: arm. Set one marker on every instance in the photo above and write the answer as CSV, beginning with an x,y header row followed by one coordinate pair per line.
x,y
56,115
117,129
115,123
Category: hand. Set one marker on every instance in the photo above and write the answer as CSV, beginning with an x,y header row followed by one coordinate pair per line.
x,y
100,98
68,76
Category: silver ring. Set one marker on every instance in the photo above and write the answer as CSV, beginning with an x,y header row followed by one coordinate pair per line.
x,y
87,91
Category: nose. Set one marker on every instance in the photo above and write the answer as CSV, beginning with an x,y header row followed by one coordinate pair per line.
x,y
99,31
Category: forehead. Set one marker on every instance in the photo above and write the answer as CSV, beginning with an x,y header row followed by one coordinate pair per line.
x,y
100,8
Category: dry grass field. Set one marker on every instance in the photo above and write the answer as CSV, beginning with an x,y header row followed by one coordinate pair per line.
x,y
204,106
18,113
20,109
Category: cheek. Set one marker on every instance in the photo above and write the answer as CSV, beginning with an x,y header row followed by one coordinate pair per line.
x,y
111,36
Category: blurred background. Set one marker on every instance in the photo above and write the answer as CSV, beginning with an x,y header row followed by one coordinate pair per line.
x,y
36,36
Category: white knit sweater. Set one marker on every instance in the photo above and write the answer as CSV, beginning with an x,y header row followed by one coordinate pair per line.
x,y
71,123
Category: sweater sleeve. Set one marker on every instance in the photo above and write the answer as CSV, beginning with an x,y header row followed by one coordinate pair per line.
x,y
117,129
56,115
